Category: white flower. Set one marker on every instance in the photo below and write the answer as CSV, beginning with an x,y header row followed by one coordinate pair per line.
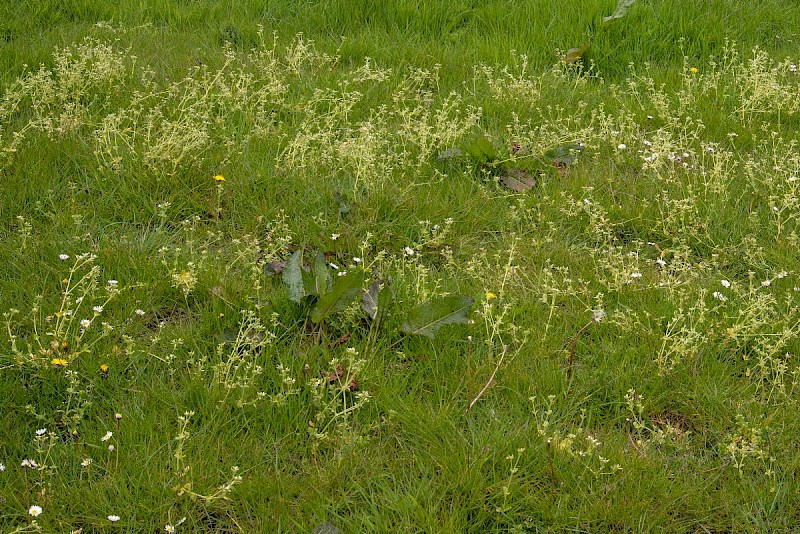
x,y
2,467
622,146
598,315
719,296
637,274
334,237
725,283
30,462
41,432
169,528
85,323
409,251
782,274
661,262
356,260
334,266
113,283
113,518
34,510
139,312
86,462
63,257
107,436
766,283
98,309
341,273
111,448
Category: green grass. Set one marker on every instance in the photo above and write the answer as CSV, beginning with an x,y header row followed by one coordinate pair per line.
x,y
630,360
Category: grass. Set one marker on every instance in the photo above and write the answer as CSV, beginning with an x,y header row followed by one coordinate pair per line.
x,y
628,363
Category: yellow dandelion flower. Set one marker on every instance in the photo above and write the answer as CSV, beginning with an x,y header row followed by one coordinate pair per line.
x,y
104,368
490,295
694,69
59,362
219,178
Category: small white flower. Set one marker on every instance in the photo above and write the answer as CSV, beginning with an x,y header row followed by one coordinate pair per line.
x,y
97,309
598,315
169,528
782,274
793,67
63,257
637,274
622,146
341,273
107,436
356,260
2,467
766,283
30,462
334,266
661,262
725,283
334,237
719,296
113,283
86,462
41,432
35,511
111,448
85,323
113,518
409,251
139,312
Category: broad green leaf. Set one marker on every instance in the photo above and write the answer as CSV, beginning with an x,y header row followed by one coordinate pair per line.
x,y
345,291
293,276
621,11
322,278
427,318
481,149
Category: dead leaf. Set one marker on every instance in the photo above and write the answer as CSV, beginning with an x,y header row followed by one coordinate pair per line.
x,y
517,180
574,55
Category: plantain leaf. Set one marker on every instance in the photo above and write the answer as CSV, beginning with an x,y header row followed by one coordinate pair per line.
x,y
345,291
322,278
293,276
427,318
621,11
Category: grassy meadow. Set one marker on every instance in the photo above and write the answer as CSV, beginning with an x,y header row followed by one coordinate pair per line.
x,y
355,266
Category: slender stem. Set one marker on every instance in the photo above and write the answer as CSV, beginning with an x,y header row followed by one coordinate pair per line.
x,y
491,380
572,347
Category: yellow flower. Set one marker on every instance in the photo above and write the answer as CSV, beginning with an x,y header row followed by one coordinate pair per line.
x,y
219,178
694,69
104,368
59,362
490,295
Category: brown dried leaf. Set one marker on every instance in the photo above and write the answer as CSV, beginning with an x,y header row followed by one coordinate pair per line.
x,y
517,180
